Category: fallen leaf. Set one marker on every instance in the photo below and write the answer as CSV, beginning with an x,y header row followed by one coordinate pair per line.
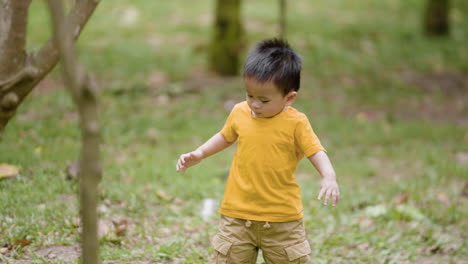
x,y
402,198
8,171
121,226
22,242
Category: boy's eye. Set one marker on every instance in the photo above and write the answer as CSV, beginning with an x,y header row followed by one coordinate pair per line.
x,y
265,102
249,96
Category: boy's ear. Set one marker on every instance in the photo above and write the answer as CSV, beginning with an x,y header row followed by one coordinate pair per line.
x,y
291,98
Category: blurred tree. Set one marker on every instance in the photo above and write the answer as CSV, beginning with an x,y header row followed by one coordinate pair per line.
x,y
227,41
436,17
84,96
20,71
282,18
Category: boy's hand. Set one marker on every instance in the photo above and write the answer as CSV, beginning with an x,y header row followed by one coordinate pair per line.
x,y
329,188
188,160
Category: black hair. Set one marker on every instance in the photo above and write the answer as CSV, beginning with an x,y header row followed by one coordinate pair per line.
x,y
274,60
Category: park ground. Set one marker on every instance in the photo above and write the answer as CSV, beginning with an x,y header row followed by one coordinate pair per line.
x,y
389,104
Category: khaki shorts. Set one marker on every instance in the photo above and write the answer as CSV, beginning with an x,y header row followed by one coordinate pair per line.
x,y
238,242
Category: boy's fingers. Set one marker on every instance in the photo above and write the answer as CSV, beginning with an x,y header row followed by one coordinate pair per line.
x,y
335,198
321,193
327,197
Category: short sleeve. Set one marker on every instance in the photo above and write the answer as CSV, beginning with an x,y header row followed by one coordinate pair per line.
x,y
228,130
306,139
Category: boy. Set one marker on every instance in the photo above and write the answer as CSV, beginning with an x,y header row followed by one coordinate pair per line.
x,y
261,207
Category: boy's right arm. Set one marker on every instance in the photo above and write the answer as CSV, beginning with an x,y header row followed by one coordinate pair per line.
x,y
214,145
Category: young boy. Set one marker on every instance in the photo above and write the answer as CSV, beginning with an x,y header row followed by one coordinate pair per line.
x,y
261,207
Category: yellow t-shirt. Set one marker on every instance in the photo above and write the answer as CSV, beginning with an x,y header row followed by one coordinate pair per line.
x,y
261,185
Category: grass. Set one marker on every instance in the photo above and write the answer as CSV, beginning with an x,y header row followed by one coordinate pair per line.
x,y
393,141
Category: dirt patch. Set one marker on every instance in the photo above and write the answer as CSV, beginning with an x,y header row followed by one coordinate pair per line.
x,y
53,253
443,99
449,83
451,106
60,252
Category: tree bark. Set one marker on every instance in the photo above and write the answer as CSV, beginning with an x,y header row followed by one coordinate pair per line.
x,y
282,19
227,41
436,17
20,72
84,95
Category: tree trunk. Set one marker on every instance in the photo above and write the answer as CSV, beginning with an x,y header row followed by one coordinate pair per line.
x,y
282,19
20,72
85,97
13,23
227,40
436,18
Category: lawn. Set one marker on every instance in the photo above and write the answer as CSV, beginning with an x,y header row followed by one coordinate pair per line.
x,y
389,104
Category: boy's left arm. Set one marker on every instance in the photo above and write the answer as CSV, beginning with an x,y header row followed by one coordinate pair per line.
x,y
328,186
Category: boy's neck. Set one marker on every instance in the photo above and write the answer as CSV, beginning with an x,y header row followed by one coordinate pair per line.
x,y
284,108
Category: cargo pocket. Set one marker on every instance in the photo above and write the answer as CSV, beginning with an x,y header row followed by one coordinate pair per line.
x,y
222,247
299,253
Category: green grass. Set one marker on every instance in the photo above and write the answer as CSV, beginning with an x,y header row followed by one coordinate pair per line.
x,y
387,136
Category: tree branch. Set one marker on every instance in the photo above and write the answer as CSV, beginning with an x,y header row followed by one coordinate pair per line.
x,y
85,98
13,24
34,67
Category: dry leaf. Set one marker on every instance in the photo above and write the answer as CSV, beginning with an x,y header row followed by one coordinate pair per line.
x,y
22,242
402,198
8,171
121,226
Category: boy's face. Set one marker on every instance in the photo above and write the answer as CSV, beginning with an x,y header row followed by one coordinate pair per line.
x,y
265,99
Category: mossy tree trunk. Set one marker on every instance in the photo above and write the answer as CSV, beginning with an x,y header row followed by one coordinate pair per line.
x,y
227,40
436,17
21,71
